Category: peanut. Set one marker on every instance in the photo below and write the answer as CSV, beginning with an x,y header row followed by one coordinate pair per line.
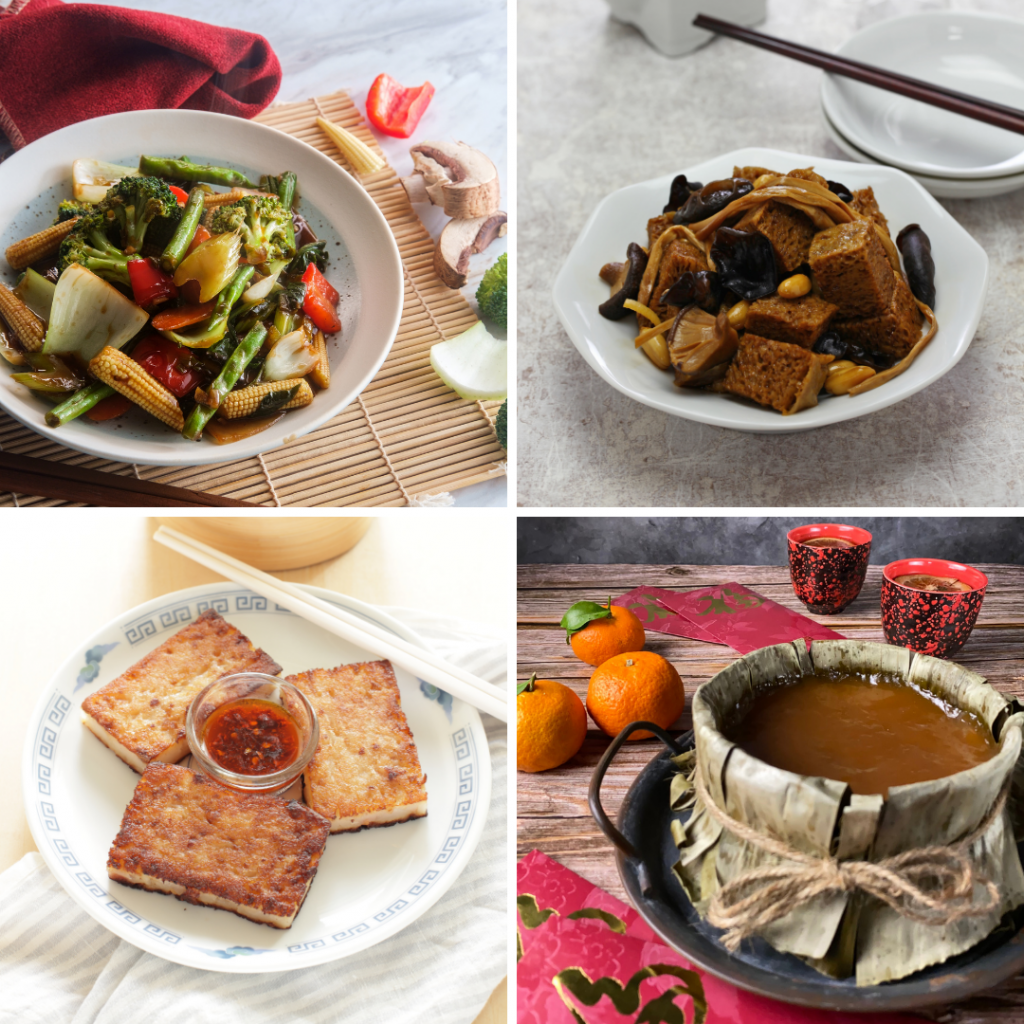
x,y
843,375
738,314
795,287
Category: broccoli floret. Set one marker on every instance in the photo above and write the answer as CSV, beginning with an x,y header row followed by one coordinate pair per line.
x,y
492,295
69,208
501,425
264,225
136,202
88,244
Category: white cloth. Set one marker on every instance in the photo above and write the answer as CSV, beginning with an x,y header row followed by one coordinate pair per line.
x,y
59,966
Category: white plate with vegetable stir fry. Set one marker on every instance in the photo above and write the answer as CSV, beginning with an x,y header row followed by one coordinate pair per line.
x,y
229,300
960,280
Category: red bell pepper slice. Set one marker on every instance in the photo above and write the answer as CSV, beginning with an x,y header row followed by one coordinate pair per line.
x,y
182,316
180,194
150,285
201,235
320,301
168,363
395,110
109,408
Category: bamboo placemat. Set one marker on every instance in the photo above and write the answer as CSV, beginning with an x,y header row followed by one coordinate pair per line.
x,y
406,440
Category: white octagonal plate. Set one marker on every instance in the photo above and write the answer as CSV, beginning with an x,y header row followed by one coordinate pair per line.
x,y
365,266
369,884
961,278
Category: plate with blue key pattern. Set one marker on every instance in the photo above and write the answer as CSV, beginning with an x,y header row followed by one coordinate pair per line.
x,y
369,885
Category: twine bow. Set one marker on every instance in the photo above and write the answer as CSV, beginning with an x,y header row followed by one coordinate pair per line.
x,y
932,885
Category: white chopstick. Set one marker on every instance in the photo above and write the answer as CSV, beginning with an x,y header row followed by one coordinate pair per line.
x,y
422,663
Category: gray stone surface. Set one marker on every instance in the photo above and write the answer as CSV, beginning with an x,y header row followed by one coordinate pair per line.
x,y
757,540
599,109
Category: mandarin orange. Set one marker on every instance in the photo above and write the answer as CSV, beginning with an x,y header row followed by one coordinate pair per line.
x,y
633,687
601,639
551,725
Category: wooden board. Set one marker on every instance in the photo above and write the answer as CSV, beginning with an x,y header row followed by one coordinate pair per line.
x,y
407,437
552,812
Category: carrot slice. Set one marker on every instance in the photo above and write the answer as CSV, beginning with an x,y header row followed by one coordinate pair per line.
x,y
109,408
182,316
201,235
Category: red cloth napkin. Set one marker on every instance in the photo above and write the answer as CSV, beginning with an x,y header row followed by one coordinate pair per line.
x,y
61,63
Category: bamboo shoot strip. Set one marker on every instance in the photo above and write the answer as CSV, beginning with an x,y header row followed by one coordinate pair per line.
x,y
422,663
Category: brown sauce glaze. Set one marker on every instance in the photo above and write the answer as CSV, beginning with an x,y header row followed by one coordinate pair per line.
x,y
871,732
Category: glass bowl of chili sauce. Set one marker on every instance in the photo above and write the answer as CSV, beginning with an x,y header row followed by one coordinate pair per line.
x,y
252,732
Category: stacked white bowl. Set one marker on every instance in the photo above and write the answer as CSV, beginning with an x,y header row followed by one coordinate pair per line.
x,y
950,155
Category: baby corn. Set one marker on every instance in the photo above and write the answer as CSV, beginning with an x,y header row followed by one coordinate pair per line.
x,y
363,159
261,398
36,247
125,375
26,325
321,373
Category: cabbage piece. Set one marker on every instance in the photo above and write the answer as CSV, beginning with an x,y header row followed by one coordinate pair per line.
x,y
37,293
261,289
90,179
88,313
212,264
292,356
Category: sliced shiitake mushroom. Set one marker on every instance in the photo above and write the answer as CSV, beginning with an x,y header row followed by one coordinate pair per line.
x,y
916,250
624,280
701,347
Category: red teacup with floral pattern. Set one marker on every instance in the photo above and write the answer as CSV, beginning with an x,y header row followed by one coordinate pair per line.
x,y
827,563
936,622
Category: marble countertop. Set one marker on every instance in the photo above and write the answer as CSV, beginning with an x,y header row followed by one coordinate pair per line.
x,y
344,45
599,109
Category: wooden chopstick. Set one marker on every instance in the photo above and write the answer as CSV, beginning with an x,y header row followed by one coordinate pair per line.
x,y
421,662
46,479
974,107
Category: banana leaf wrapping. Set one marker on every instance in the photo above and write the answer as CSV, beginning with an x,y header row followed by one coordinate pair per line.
x,y
846,934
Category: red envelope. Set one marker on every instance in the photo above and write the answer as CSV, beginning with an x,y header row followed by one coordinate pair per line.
x,y
647,605
610,945
744,619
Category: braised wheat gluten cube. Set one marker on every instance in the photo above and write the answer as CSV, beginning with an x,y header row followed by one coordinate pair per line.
x,y
789,231
190,837
366,771
141,714
786,377
851,268
797,321
894,332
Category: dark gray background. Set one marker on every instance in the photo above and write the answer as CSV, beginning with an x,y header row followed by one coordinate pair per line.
x,y
758,540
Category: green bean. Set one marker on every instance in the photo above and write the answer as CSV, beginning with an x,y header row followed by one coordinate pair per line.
x,y
185,170
184,232
81,401
244,354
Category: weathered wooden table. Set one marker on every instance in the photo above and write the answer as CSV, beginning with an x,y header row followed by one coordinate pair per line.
x,y
552,806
